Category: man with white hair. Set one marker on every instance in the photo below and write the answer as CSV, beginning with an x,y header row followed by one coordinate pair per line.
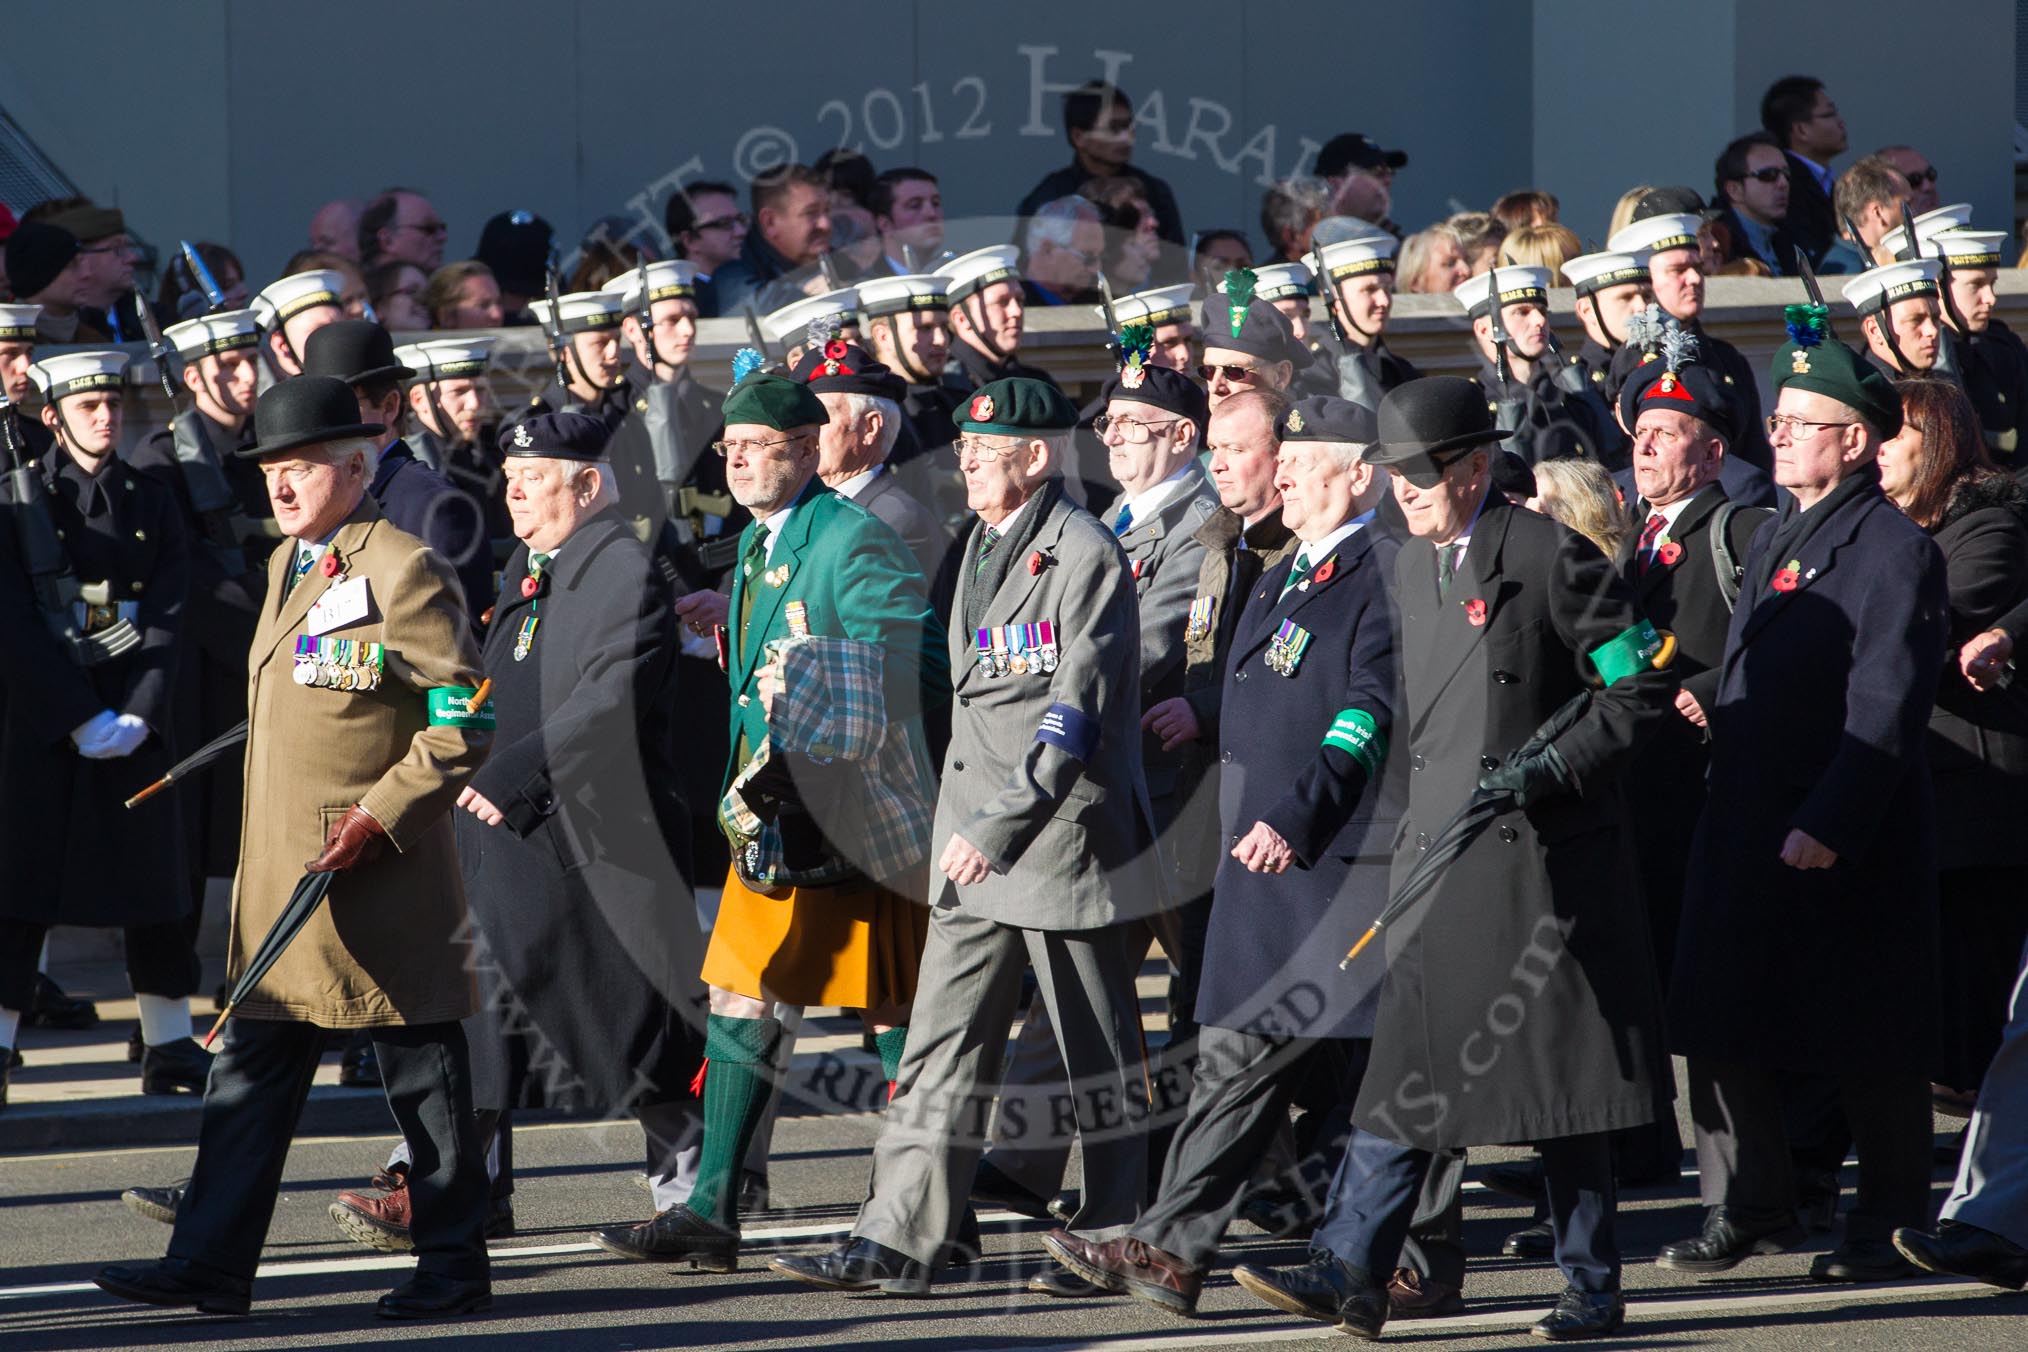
x,y
1066,239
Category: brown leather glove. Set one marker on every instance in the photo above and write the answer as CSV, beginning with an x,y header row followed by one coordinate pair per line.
x,y
354,839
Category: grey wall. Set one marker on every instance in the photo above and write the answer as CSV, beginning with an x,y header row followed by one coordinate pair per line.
x,y
234,119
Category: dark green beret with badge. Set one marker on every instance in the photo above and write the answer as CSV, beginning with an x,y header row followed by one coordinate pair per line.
x,y
1015,407
772,401
1808,362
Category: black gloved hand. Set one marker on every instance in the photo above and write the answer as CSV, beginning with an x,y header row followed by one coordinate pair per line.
x,y
1531,775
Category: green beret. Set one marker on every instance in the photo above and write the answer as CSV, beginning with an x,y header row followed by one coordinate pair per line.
x,y
1018,406
773,402
1812,360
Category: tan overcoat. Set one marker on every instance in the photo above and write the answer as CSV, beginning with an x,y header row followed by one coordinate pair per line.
x,y
388,946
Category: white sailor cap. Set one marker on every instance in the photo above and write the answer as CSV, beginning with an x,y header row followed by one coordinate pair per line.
x,y
1517,286
1593,272
76,372
1353,257
1877,288
225,331
284,300
448,358
670,279
1677,230
790,323
1969,248
582,311
1956,216
1155,307
1280,281
974,272
17,323
893,295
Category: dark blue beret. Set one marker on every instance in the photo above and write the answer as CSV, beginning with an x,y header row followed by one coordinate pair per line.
x,y
557,436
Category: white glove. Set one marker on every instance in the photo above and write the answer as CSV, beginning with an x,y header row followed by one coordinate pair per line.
x,y
91,736
129,731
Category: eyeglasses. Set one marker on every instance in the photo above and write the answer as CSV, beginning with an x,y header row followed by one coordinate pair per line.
x,y
1132,430
980,449
722,222
725,448
1779,422
434,229
1234,375
118,246
1921,178
1774,173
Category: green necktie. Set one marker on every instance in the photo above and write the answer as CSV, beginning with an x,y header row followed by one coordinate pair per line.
x,y
1297,571
1447,566
987,539
306,558
751,563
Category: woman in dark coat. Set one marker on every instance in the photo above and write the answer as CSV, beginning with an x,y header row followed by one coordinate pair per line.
x,y
1937,472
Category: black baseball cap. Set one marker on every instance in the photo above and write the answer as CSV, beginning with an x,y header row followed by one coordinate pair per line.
x,y
1356,150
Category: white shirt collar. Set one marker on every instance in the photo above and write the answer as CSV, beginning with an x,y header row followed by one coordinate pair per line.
x,y
1007,523
1152,500
1317,551
774,522
1670,513
856,485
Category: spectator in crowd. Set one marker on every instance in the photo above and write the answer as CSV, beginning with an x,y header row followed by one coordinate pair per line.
x,y
1581,495
1479,234
103,269
463,295
1526,207
1623,210
44,268
608,249
1920,173
395,288
792,231
1352,152
516,246
1216,253
1289,212
1541,246
180,297
401,223
1098,121
1432,261
1365,197
352,288
908,211
1803,119
707,229
334,227
1936,471
1869,195
848,178
1132,248
1066,241
1752,179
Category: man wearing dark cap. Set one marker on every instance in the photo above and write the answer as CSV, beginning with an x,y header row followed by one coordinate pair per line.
x,y
1816,856
1351,154
1045,855
46,267
516,245
1493,1025
1546,406
1307,710
1248,343
361,736
409,493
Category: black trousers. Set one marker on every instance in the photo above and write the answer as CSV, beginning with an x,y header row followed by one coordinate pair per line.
x,y
256,1093
161,960
1743,1145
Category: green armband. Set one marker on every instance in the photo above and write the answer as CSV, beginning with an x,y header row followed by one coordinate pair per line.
x,y
1355,733
450,707
1618,658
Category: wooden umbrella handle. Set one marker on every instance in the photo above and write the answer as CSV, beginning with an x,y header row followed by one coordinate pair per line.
x,y
149,792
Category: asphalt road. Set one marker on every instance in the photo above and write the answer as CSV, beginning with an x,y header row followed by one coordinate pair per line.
x,y
60,1218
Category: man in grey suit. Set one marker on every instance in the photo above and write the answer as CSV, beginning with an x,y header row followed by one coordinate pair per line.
x,y
1048,854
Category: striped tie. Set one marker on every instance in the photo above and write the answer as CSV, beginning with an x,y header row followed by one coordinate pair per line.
x,y
1297,570
306,558
1124,522
1649,534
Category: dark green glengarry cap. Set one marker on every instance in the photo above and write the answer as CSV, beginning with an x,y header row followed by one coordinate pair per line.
x,y
1813,360
771,401
1017,406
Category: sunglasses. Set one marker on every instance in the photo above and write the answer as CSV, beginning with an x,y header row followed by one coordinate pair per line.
x,y
1772,174
1922,178
1234,375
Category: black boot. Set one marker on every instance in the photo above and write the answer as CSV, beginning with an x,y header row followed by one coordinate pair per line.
x,y
52,1007
1731,1236
178,1067
1582,1314
1957,1250
1327,1289
177,1281
431,1295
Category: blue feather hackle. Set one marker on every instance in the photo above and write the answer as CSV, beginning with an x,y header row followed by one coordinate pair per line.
x,y
745,362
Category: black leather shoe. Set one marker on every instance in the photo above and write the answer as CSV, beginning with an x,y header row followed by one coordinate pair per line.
x,y
52,1007
1581,1314
1537,1241
359,1067
859,1265
1059,1281
179,1067
1957,1250
753,1193
157,1204
430,1295
968,1248
678,1235
1862,1261
1731,1236
1522,1182
991,1188
176,1281
1327,1289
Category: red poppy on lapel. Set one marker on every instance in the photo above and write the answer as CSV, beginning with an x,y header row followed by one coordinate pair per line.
x,y
1787,578
1038,561
1475,611
529,586
1323,574
1669,552
331,567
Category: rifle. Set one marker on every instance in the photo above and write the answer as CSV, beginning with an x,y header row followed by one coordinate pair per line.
x,y
753,332
1329,290
57,590
201,274
552,329
203,476
1112,320
645,317
1499,332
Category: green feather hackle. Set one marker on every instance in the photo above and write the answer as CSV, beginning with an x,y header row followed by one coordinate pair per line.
x,y
1807,324
1238,295
1136,340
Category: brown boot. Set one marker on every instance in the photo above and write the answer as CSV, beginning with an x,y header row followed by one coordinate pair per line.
x,y
1410,1295
377,1219
1130,1265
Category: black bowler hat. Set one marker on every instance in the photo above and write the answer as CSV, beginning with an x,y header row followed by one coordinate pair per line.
x,y
353,350
563,435
303,411
839,367
1422,422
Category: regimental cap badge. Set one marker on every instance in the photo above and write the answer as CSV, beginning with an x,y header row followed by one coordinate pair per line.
x,y
982,408
1295,420
835,352
521,437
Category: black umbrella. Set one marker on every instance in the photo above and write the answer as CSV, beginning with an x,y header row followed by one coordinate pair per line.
x,y
1475,816
196,760
303,903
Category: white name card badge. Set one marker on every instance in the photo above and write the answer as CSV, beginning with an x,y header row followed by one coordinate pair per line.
x,y
346,603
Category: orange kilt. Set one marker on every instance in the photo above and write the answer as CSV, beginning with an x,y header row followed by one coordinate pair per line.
x,y
856,945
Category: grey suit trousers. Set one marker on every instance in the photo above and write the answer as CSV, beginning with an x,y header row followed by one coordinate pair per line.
x,y
1992,1187
935,1128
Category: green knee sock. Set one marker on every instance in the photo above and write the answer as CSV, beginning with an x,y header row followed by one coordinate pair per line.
x,y
741,1052
889,1044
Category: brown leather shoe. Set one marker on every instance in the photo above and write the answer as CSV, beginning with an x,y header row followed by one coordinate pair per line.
x,y
1130,1265
1410,1295
377,1219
